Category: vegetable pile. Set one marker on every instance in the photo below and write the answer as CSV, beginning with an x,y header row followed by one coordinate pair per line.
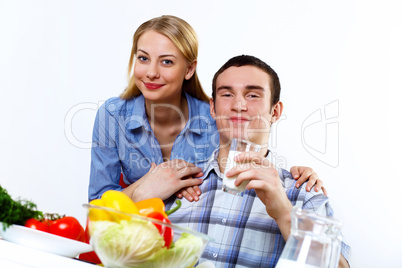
x,y
121,240
23,212
16,211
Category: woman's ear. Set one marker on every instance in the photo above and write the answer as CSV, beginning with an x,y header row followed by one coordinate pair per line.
x,y
190,70
276,111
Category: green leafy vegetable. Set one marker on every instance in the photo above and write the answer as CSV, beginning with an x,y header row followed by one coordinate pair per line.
x,y
138,243
185,253
16,211
125,244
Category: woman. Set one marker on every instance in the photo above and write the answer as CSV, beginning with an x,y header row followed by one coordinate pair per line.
x,y
159,132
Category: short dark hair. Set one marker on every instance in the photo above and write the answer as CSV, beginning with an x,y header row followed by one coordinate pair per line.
x,y
246,60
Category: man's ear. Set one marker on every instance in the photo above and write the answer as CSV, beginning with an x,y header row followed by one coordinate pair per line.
x,y
277,111
190,70
212,108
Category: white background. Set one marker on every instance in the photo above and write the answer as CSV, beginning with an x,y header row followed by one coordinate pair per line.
x,y
60,59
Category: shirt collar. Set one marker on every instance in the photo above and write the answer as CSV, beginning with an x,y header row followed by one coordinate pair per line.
x,y
138,118
212,164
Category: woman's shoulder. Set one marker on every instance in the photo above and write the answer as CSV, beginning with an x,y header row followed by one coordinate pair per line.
x,y
117,105
199,107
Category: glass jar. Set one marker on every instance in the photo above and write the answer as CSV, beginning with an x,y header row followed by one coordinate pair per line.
x,y
314,241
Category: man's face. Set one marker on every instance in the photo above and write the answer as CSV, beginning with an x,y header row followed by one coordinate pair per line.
x,y
242,107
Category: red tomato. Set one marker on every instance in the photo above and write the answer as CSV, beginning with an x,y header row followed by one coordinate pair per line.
x,y
37,224
68,227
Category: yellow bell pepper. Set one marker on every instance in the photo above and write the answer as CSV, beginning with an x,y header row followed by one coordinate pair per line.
x,y
119,201
95,214
116,200
147,206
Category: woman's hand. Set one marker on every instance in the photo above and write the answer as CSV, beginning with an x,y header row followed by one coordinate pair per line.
x,y
164,180
302,174
190,193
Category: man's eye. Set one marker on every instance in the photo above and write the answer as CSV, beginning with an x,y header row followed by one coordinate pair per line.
x,y
253,96
226,95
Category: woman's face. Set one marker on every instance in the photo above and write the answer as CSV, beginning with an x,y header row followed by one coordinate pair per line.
x,y
160,68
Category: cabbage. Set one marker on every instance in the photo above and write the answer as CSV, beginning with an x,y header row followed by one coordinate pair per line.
x,y
185,253
125,244
138,243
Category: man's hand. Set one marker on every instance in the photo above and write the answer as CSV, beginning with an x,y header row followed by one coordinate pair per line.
x,y
264,179
165,180
302,174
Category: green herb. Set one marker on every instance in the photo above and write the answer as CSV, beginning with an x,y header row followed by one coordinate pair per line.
x,y
16,211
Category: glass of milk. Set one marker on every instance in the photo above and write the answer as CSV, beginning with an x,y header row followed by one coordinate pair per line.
x,y
237,146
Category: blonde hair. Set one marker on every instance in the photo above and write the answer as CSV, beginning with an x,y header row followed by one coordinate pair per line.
x,y
183,37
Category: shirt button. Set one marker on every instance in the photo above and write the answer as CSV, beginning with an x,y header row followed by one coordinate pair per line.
x,y
224,220
215,255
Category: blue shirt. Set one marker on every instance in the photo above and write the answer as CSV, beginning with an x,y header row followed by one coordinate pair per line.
x,y
244,234
123,142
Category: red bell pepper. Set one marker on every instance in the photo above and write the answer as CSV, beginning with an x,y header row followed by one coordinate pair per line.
x,y
164,230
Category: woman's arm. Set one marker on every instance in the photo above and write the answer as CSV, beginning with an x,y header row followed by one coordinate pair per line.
x,y
105,165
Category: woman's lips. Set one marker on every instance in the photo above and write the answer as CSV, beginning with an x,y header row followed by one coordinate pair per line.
x,y
153,85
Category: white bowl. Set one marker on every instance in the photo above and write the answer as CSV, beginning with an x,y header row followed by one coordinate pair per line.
x,y
44,241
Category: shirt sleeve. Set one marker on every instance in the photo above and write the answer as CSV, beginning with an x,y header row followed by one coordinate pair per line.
x,y
105,163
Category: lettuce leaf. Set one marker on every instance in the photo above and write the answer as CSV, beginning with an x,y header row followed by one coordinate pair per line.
x,y
125,244
137,243
185,253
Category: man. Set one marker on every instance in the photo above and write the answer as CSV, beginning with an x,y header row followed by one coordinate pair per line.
x,y
249,230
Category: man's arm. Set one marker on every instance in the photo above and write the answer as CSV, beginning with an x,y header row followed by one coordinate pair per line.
x,y
264,179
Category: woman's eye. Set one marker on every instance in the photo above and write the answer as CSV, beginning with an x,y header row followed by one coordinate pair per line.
x,y
142,58
167,62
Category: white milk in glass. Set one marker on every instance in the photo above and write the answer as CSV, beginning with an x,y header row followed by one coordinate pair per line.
x,y
228,183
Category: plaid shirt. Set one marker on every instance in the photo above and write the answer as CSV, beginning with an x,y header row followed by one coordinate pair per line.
x,y
244,234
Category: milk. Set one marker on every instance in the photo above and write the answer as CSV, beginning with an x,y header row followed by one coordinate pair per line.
x,y
228,183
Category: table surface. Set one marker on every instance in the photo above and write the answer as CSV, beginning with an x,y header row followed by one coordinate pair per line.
x,y
17,256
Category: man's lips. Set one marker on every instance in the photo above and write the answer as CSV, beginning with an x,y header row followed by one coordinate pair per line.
x,y
236,119
153,85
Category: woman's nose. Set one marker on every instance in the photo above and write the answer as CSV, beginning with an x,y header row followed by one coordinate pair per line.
x,y
152,72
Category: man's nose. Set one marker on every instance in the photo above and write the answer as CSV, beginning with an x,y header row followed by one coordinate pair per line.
x,y
240,104
153,71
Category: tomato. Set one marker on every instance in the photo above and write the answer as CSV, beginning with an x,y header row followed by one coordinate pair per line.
x,y
68,227
37,224
165,231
